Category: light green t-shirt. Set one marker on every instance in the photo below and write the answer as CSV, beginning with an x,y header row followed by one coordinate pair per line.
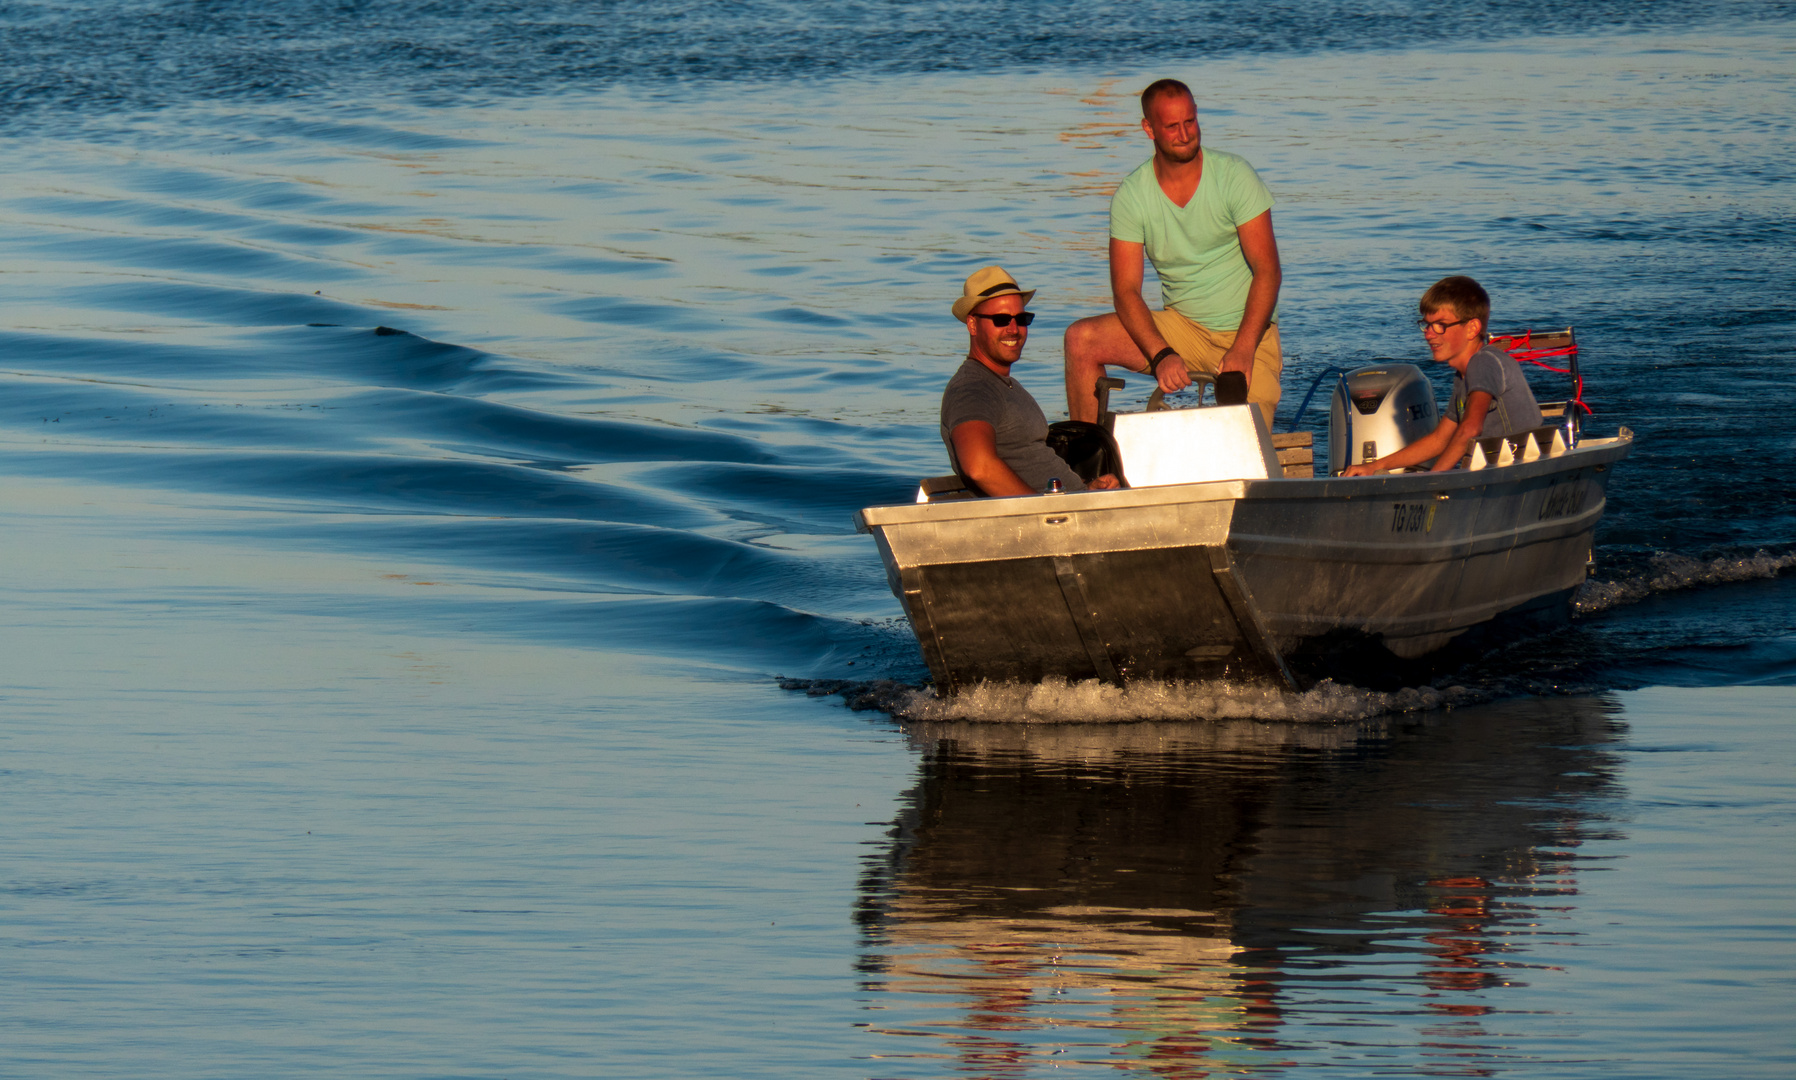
x,y
1195,251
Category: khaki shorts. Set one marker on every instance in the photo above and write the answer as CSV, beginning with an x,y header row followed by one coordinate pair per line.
x,y
1201,348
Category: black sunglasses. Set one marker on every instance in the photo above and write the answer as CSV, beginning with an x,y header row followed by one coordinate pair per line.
x,y
1024,319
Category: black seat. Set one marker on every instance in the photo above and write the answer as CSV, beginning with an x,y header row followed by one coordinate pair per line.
x,y
1087,448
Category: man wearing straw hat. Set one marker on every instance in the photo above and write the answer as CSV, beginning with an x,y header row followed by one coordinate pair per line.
x,y
995,432
1205,220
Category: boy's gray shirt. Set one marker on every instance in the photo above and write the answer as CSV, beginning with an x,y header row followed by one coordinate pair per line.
x,y
1513,409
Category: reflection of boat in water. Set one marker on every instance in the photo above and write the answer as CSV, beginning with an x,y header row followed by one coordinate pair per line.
x,y
1188,899
1216,564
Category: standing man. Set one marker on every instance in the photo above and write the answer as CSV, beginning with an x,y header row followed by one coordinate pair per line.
x,y
1205,220
995,432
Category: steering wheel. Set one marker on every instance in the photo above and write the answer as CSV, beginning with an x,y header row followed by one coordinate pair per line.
x,y
1156,401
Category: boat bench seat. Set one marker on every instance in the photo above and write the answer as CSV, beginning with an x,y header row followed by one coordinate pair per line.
x,y
1296,453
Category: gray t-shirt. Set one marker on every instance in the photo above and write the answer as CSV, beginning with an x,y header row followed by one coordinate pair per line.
x,y
978,393
1495,372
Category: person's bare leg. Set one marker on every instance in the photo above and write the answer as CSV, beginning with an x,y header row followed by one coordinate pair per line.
x,y
1091,344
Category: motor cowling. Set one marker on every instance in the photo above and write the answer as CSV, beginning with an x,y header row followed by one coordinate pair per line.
x,y
1377,410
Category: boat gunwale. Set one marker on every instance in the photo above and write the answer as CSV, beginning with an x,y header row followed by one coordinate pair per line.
x,y
1589,452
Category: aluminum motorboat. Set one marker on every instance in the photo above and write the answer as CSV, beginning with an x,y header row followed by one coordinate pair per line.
x,y
1215,563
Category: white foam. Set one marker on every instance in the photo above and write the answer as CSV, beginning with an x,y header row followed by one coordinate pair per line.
x,y
1669,573
1057,701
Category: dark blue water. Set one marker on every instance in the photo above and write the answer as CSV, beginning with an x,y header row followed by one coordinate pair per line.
x,y
103,57
427,431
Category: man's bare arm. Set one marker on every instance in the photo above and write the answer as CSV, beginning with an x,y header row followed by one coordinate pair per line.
x,y
1260,248
1126,277
976,448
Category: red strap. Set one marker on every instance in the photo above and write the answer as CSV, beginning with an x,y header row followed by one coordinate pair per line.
x,y
1520,351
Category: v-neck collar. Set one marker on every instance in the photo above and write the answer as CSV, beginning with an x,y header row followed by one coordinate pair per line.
x,y
1203,170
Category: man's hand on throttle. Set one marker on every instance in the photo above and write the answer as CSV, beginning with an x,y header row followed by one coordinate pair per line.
x,y
1171,374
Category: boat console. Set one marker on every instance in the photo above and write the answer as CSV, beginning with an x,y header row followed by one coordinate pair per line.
x,y
1195,446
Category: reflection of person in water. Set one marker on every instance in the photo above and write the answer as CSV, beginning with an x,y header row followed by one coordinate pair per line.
x,y
1019,883
1460,944
1161,894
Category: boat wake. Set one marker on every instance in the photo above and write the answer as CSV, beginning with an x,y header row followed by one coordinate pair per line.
x,y
1059,701
1670,573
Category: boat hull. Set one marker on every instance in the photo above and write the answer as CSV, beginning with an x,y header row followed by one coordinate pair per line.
x,y
1288,580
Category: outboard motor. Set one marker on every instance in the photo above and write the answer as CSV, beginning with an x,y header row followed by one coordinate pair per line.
x,y
1378,410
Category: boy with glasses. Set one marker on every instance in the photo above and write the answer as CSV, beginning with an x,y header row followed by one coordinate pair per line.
x,y
995,432
1491,396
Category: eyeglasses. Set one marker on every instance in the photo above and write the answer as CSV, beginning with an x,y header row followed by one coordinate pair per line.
x,y
1438,327
1024,319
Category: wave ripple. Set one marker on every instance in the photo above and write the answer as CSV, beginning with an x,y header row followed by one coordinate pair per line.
x,y
1671,573
92,58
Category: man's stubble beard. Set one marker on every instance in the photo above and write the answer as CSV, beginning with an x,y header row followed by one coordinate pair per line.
x,y
1186,159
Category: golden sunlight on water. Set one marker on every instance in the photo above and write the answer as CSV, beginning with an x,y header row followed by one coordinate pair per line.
x,y
410,503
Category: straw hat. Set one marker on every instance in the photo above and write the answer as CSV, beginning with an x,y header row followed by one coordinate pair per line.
x,y
985,284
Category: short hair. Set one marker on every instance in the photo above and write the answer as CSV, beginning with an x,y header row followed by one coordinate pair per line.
x,y
1159,88
1466,297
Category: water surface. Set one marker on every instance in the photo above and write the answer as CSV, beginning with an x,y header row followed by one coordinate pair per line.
x,y
426,435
